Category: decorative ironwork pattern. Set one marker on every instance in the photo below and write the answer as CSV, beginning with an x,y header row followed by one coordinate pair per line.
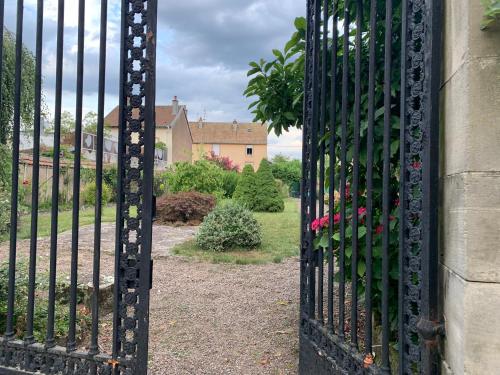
x,y
330,346
133,267
414,135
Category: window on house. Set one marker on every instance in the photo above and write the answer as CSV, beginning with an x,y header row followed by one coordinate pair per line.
x,y
249,150
216,149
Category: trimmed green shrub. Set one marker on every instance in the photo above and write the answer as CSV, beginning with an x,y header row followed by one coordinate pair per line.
x,y
246,189
89,192
185,207
229,182
268,197
201,176
228,227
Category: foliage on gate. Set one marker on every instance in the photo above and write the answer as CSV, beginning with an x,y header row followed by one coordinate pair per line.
x,y
370,134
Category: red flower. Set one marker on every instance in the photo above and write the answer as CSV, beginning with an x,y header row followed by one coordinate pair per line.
x,y
315,224
26,182
361,211
336,218
396,202
324,221
379,229
417,165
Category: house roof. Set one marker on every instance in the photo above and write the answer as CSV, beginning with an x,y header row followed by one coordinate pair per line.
x,y
164,116
229,133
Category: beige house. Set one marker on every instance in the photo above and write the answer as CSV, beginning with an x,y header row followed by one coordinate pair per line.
x,y
243,143
172,130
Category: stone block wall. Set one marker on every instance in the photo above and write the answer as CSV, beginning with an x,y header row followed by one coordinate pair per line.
x,y
470,189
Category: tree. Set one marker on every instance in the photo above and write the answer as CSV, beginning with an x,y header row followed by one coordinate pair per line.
x,y
8,86
67,123
268,197
246,189
90,124
287,170
279,84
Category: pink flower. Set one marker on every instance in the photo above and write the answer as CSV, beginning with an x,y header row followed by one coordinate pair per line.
x,y
336,218
396,202
361,211
315,224
324,221
379,229
417,165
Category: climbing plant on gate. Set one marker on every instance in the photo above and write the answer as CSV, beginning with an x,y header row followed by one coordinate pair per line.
x,y
277,87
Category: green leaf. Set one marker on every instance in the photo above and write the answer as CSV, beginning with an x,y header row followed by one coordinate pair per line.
x,y
361,232
300,23
361,268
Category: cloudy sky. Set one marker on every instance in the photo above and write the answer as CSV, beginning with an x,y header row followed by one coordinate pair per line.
x,y
204,47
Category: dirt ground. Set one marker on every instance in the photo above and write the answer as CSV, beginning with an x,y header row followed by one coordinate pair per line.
x,y
205,318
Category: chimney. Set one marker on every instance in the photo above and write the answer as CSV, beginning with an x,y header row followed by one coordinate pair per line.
x,y
200,123
235,125
175,106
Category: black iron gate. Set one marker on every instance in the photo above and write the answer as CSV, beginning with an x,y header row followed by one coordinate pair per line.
x,y
19,351
370,188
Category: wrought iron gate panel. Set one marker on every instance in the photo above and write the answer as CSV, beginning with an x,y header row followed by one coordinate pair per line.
x,y
340,110
20,354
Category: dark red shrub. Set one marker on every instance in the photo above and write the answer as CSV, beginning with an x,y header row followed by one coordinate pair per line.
x,y
187,208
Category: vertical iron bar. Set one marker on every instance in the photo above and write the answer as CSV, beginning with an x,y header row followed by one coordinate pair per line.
x,y
119,183
369,178
430,181
343,167
314,153
321,213
148,176
36,175
386,187
355,177
2,18
71,344
333,159
50,340
9,331
94,343
304,217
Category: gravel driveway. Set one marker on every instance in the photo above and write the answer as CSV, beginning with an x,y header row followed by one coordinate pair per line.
x,y
205,318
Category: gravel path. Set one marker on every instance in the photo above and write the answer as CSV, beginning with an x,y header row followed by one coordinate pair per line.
x,y
205,318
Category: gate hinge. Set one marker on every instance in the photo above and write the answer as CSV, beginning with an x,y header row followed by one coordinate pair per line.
x,y
430,330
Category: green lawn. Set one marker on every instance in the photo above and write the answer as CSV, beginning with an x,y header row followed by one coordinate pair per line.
x,y
280,240
65,222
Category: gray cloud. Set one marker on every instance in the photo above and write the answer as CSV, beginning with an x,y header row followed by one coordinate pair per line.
x,y
204,47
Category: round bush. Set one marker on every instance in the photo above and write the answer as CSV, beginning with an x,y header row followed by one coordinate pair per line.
x,y
89,192
190,207
227,227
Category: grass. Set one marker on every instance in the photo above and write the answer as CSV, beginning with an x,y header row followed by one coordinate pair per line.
x,y
280,240
64,223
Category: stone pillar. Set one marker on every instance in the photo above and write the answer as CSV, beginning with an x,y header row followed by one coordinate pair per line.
x,y
470,178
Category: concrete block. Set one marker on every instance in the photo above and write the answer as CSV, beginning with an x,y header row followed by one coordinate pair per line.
x,y
472,323
463,38
470,117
